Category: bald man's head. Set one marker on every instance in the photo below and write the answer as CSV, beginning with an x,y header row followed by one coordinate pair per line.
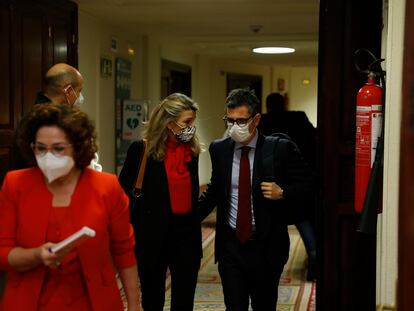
x,y
63,84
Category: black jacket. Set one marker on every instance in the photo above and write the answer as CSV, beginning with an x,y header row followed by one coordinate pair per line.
x,y
291,173
152,212
295,124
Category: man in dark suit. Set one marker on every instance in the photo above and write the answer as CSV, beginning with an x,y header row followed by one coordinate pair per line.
x,y
296,124
62,84
252,241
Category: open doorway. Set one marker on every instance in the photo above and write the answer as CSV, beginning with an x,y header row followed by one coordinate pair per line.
x,y
175,77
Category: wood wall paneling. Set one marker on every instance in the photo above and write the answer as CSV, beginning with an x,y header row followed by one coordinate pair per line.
x,y
31,58
5,109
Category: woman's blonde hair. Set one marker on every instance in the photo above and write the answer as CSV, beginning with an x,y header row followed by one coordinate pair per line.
x,y
156,131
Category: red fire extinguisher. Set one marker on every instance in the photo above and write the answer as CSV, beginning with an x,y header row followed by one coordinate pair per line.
x,y
369,114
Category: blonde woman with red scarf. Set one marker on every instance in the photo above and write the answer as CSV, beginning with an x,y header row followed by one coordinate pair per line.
x,y
167,229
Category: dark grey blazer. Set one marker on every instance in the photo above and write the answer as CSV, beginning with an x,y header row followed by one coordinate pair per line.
x,y
152,212
291,173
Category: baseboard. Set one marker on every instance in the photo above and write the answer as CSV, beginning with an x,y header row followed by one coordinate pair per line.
x,y
386,308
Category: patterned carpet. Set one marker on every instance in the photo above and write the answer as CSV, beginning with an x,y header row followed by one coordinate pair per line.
x,y
295,293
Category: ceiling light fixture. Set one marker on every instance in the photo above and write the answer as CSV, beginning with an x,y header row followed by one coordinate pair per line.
x,y
273,50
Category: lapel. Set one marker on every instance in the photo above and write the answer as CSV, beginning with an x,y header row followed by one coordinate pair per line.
x,y
80,202
257,165
43,203
195,187
158,177
256,180
85,206
228,152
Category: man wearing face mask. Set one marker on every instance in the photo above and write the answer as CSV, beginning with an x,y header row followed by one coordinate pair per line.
x,y
62,84
252,241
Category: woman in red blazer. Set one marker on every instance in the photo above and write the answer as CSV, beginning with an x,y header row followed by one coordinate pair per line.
x,y
41,206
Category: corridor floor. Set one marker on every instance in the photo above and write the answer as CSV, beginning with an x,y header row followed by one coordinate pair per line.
x,y
295,293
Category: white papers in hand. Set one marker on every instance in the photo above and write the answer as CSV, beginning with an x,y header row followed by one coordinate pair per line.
x,y
73,240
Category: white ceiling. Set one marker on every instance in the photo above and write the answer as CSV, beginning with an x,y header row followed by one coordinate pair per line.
x,y
220,28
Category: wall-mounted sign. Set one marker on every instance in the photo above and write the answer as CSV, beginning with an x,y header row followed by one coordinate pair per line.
x,y
134,113
129,114
123,78
122,92
106,67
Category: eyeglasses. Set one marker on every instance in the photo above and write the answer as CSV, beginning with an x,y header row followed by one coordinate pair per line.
x,y
57,149
242,122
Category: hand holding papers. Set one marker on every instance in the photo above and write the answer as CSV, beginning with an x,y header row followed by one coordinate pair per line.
x,y
73,240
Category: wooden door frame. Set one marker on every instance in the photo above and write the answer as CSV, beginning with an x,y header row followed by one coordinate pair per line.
x,y
346,259
405,287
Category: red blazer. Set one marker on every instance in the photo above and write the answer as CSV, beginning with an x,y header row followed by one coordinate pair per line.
x,y
98,202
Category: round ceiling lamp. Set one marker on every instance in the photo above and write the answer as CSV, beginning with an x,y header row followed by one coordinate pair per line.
x,y
273,50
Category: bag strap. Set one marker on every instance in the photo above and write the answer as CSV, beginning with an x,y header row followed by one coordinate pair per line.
x,y
268,152
141,171
271,146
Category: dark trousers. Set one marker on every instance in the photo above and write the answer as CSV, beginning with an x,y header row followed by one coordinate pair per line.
x,y
308,236
246,273
181,256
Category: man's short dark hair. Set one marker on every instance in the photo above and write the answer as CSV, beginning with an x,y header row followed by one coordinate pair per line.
x,y
275,102
243,97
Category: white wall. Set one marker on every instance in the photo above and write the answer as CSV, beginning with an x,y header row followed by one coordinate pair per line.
x,y
387,240
304,97
89,55
301,97
99,92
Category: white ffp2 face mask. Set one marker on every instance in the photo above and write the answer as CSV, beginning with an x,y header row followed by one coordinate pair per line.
x,y
54,167
79,100
238,133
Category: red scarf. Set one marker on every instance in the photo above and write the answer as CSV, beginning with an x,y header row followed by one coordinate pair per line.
x,y
177,155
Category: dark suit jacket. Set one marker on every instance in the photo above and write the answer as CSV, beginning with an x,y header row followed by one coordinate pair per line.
x,y
152,212
291,174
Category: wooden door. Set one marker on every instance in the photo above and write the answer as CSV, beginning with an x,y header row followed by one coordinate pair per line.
x,y
61,20
346,259
175,77
34,36
245,81
7,111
